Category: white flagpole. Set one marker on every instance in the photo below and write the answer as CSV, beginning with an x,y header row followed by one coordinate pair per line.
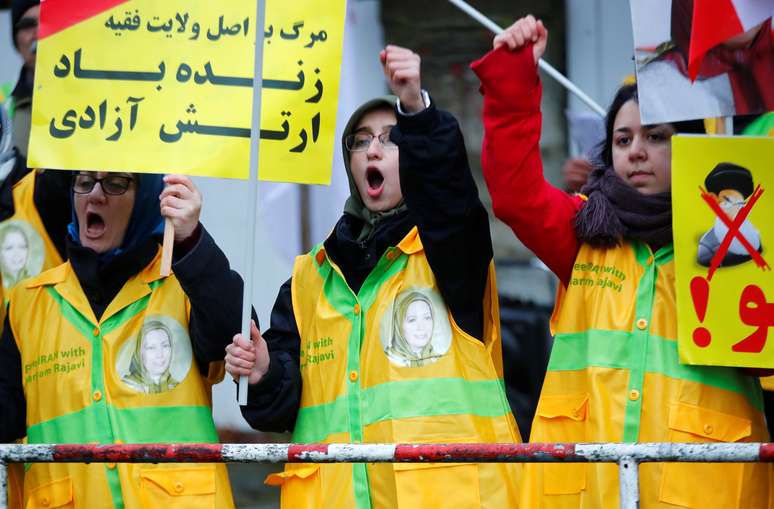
x,y
252,186
545,66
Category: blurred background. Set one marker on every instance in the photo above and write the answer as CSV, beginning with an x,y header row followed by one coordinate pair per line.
x,y
590,41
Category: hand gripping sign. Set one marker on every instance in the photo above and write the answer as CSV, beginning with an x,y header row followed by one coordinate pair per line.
x,y
723,217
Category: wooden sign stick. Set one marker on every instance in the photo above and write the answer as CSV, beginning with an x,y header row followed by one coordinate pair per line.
x,y
167,247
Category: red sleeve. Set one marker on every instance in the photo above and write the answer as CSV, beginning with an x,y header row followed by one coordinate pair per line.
x,y
539,214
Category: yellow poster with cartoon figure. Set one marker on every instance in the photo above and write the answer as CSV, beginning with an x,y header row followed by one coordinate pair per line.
x,y
148,86
723,219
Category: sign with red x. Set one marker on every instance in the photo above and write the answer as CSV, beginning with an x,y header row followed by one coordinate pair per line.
x,y
723,220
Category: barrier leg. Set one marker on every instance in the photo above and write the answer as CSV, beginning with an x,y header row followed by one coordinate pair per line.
x,y
628,473
3,485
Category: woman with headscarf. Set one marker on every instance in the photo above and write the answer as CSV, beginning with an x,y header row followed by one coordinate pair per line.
x,y
34,204
66,328
149,368
614,374
413,220
412,331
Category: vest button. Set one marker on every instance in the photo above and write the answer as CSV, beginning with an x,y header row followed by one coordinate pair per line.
x,y
391,255
642,324
97,395
634,394
179,488
708,429
649,261
353,376
95,332
357,309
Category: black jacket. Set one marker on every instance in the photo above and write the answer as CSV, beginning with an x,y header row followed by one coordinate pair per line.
x,y
454,228
214,290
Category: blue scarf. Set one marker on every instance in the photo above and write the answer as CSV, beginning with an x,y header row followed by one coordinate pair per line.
x,y
145,221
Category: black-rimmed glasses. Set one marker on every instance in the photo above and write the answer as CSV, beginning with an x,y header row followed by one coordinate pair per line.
x,y
114,185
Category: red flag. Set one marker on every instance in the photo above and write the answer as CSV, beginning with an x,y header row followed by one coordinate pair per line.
x,y
716,21
56,15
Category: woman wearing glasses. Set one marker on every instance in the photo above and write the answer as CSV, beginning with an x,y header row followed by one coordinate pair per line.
x,y
412,226
71,334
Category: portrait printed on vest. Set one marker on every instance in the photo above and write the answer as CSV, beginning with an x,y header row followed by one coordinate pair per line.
x,y
158,358
21,252
731,186
415,328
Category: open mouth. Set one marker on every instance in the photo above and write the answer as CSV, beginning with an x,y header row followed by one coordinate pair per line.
x,y
375,181
95,224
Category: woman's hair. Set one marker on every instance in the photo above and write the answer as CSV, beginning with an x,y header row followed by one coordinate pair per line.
x,y
625,94
151,326
399,343
411,298
12,279
14,228
136,366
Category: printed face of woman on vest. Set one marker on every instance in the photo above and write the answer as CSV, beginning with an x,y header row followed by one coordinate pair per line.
x,y
374,161
418,325
156,353
103,205
14,251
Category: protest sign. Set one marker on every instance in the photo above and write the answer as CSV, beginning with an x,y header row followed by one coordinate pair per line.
x,y
160,87
723,218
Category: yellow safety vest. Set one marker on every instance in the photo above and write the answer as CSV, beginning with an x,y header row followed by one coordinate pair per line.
x,y
129,377
389,365
25,250
614,376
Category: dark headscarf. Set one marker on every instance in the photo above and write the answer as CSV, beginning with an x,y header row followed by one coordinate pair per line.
x,y
354,205
145,221
18,8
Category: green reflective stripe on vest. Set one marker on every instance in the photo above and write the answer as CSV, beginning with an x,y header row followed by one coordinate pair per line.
x,y
114,483
639,339
72,315
142,425
610,349
346,413
398,400
130,311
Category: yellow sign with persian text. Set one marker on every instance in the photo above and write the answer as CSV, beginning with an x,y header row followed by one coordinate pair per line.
x,y
723,218
160,87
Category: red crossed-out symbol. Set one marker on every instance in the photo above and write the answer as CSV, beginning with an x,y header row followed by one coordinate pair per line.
x,y
733,231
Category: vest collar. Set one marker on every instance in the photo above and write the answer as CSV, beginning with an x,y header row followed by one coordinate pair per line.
x,y
410,244
66,284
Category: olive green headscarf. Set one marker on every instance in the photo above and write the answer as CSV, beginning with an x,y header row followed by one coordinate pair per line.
x,y
354,205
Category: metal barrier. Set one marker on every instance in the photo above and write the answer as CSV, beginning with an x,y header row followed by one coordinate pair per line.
x,y
627,456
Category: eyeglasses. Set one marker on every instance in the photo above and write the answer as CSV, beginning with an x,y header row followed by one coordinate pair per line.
x,y
114,185
26,22
360,142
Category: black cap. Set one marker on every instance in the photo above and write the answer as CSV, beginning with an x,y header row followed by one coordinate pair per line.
x,y
730,176
18,8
